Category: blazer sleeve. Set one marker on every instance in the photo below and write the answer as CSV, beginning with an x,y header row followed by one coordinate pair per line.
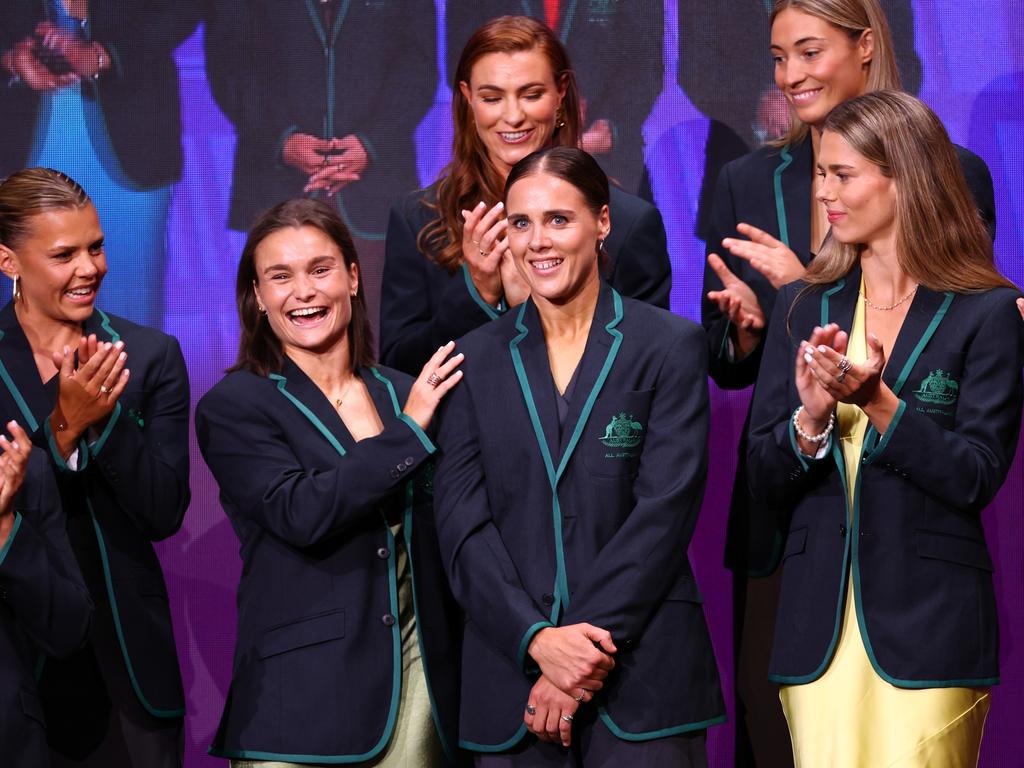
x,y
727,372
636,569
415,320
643,269
39,578
263,480
777,471
482,575
964,467
147,465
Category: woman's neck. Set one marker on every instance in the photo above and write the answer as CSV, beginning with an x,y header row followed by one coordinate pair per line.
x,y
885,282
46,335
330,370
569,320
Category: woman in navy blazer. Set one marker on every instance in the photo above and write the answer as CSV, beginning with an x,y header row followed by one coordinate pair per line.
x,y
573,459
445,269
347,639
44,606
119,446
885,419
831,50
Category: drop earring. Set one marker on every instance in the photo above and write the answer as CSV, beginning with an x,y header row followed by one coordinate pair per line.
x,y
15,288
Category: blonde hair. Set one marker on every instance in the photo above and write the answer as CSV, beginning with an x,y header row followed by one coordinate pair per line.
x,y
32,191
853,17
941,241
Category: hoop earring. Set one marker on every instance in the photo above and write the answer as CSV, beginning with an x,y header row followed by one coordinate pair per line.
x,y
260,308
15,288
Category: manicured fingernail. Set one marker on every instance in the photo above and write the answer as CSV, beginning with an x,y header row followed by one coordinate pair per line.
x,y
480,204
822,348
122,356
118,345
500,205
808,359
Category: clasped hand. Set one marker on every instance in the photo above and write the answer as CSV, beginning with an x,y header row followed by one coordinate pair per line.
x,y
87,393
824,375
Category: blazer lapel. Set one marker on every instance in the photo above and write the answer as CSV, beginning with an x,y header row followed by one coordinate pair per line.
x,y
926,312
19,374
839,302
300,390
792,193
530,360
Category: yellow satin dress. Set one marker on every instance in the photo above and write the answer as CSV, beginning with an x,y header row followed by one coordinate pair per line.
x,y
852,718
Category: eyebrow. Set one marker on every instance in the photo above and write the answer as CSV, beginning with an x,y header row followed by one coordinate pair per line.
x,y
528,86
311,263
802,41
566,212
835,166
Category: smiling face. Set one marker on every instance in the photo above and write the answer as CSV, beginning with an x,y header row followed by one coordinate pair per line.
x,y
553,236
514,100
860,200
60,264
306,288
817,65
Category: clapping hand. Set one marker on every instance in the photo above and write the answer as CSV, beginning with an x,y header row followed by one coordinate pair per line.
x,y
769,256
484,242
738,302
13,466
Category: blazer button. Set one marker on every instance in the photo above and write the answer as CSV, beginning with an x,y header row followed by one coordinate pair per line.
x,y
547,598
383,553
387,620
842,530
400,467
395,473
409,461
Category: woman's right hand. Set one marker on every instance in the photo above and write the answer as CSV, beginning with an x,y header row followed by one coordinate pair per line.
x,y
483,233
435,380
13,465
87,394
21,61
817,402
738,302
307,153
576,658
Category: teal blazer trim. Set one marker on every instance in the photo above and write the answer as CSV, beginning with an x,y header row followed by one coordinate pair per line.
x,y
516,738
10,537
26,414
106,326
282,383
83,451
780,200
163,713
561,589
525,642
490,311
661,733
425,441
96,447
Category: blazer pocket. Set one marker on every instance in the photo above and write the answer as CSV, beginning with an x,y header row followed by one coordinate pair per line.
x,y
796,543
613,439
953,549
32,707
686,590
301,634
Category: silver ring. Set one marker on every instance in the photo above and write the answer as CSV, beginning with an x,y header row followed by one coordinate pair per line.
x,y
531,710
567,718
482,251
433,380
840,376
844,364
104,389
579,699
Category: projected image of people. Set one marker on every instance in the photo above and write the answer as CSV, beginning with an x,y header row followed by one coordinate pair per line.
x,y
89,87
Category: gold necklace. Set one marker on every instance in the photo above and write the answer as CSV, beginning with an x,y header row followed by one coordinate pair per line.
x,y
891,306
339,401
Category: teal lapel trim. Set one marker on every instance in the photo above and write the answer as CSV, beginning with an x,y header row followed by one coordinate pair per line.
x,y
26,413
427,443
106,326
826,298
780,201
105,560
10,537
304,410
554,475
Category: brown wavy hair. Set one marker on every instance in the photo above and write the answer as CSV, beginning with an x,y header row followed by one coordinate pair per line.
x,y
32,191
941,240
259,350
852,17
471,176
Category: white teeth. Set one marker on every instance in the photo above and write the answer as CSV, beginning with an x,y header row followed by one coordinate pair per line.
x,y
514,136
305,312
547,264
805,95
80,291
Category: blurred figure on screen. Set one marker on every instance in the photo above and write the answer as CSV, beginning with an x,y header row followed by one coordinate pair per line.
x,y
616,48
325,98
89,87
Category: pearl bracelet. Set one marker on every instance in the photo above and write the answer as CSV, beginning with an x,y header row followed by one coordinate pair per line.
x,y
813,438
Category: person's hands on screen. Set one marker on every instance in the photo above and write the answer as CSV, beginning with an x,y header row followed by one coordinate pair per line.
x,y
344,162
598,138
85,58
21,62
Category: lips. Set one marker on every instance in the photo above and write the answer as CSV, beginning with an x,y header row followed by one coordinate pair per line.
x,y
834,216
545,265
515,137
804,97
82,294
305,316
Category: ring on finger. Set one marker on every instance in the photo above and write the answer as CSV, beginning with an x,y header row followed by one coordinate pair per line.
x,y
104,389
567,718
579,699
433,379
482,251
840,376
531,710
844,364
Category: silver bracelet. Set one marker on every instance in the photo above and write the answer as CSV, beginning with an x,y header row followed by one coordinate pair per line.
x,y
813,438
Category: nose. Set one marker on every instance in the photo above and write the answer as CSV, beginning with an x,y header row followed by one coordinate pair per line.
x,y
538,239
824,191
86,265
513,113
788,73
303,287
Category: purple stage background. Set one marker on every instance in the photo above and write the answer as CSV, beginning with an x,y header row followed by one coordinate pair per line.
x,y
972,56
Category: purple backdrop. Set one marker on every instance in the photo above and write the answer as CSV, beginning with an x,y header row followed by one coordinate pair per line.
x,y
972,54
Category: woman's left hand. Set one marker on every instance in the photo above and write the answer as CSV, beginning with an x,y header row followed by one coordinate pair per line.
x,y
769,256
845,381
347,161
437,377
549,713
86,58
87,394
512,283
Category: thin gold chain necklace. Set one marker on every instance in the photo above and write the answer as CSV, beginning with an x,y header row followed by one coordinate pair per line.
x,y
891,306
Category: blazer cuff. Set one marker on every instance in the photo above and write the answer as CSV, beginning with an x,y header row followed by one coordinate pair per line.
x,y
101,441
521,655
286,134
58,460
806,462
10,537
428,444
492,313
873,453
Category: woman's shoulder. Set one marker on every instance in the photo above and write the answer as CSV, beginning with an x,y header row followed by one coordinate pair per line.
x,y
402,382
128,330
623,205
659,327
762,162
234,390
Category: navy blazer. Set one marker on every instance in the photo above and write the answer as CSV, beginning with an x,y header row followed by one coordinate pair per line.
x,y
137,97
591,525
44,609
275,70
922,574
130,489
424,306
771,189
616,54
317,669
